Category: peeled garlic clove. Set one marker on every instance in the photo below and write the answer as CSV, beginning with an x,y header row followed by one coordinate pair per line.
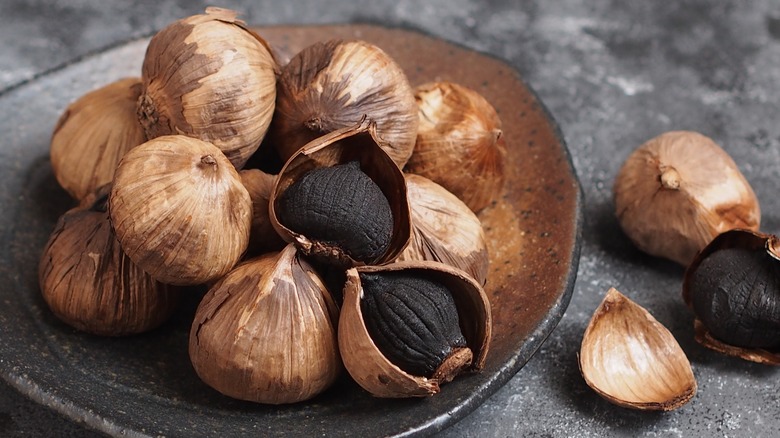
x,y
632,360
333,85
444,229
263,237
209,77
91,285
266,332
426,349
341,216
180,211
678,191
459,143
733,287
93,134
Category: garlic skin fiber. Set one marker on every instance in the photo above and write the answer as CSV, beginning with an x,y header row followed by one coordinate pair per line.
x,y
209,77
678,191
633,361
93,134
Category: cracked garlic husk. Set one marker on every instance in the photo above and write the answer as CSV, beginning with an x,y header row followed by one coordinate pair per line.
x,y
733,288
632,360
348,205
411,342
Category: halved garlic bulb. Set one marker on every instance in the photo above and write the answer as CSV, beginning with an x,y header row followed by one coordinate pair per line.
x,y
632,360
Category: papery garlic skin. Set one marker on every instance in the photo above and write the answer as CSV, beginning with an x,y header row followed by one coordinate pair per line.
x,y
334,85
444,229
631,360
678,191
460,144
180,210
93,134
263,237
90,284
266,332
209,77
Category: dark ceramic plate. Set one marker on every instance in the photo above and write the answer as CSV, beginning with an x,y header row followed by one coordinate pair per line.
x,y
145,385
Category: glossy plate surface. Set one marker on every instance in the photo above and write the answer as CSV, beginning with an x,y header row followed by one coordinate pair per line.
x,y
145,385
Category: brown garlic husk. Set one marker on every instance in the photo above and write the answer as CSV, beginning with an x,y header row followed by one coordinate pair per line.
x,y
632,360
351,146
92,135
263,237
333,85
444,229
91,285
208,76
180,211
460,144
678,191
266,332
372,369
733,288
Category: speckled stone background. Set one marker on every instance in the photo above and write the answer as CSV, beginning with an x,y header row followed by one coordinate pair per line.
x,y
614,73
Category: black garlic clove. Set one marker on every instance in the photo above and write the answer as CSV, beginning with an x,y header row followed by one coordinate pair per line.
x,y
402,327
342,206
412,320
342,200
733,287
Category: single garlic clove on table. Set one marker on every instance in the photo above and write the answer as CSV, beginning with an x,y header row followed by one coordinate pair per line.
x,y
632,360
678,191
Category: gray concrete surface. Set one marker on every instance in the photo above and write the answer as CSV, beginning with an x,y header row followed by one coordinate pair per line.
x,y
614,73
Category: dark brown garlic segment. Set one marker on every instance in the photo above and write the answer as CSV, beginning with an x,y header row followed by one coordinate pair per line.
x,y
340,205
735,292
332,85
414,323
89,283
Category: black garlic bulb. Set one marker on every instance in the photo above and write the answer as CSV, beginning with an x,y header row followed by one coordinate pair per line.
x,y
412,320
733,287
340,205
